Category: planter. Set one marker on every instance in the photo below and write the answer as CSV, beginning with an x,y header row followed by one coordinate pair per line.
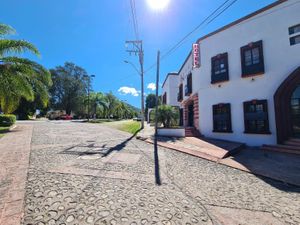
x,y
171,132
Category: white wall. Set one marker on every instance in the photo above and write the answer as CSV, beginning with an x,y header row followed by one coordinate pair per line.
x,y
280,58
185,71
174,85
173,132
171,88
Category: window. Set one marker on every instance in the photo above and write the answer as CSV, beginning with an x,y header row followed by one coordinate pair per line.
x,y
294,29
222,118
256,117
180,93
252,59
295,40
164,98
219,68
189,85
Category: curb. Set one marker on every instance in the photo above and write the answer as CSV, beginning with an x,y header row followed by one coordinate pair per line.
x,y
13,127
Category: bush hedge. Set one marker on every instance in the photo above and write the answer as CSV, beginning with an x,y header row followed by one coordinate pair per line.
x,y
7,120
168,115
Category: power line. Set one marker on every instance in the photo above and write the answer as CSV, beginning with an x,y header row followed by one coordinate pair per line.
x,y
137,48
208,18
134,19
195,29
221,12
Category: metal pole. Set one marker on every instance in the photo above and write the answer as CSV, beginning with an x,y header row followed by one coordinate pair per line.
x,y
89,100
156,93
138,49
141,56
89,89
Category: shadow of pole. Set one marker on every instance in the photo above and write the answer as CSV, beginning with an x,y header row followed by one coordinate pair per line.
x,y
156,159
156,163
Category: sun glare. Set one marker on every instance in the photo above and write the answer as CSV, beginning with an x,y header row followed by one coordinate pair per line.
x,y
158,4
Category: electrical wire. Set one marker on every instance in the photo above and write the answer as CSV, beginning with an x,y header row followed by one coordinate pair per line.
x,y
209,19
134,19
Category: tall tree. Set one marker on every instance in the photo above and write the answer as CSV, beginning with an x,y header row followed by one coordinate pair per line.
x,y
150,103
70,86
97,103
112,102
20,77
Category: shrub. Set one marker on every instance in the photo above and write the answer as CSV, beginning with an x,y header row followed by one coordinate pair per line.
x,y
7,120
168,115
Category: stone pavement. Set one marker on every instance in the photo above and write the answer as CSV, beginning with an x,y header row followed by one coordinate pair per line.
x,y
14,161
92,174
276,165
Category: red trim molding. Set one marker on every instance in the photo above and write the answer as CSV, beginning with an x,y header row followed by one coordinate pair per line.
x,y
282,100
194,99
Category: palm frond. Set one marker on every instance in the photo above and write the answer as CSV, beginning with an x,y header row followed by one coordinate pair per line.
x,y
9,103
42,91
42,73
6,30
12,89
16,46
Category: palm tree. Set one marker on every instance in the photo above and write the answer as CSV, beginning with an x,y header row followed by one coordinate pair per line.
x,y
121,110
168,115
20,77
111,101
98,101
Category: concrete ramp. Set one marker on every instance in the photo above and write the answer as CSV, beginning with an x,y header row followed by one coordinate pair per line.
x,y
210,149
218,148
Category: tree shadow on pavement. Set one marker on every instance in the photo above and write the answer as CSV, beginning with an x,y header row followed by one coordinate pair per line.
x,y
93,149
121,145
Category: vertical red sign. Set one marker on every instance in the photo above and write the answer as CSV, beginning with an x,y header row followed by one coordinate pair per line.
x,y
196,55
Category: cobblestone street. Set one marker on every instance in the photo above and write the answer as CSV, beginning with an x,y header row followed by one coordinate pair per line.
x,y
91,174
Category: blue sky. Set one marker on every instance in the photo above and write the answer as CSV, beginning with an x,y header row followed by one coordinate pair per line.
x,y
92,34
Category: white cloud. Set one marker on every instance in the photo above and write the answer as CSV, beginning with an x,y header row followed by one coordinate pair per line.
x,y
128,91
151,86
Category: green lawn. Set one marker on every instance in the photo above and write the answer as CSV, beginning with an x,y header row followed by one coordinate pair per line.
x,y
129,126
3,130
102,120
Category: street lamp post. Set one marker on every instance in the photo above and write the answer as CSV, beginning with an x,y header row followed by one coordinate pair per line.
x,y
89,85
142,89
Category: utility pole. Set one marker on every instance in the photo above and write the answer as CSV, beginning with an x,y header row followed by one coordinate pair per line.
x,y
156,93
136,48
89,100
89,89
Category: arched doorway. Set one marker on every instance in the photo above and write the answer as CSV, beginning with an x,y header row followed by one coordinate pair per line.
x,y
287,108
295,112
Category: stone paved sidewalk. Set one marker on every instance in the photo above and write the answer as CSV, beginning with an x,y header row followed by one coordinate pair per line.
x,y
14,162
279,166
70,182
90,174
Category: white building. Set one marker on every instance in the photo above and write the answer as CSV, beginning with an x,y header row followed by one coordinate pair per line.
x,y
170,87
247,85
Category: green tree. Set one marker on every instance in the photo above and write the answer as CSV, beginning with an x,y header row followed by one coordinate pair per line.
x,y
112,103
20,78
150,103
70,88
